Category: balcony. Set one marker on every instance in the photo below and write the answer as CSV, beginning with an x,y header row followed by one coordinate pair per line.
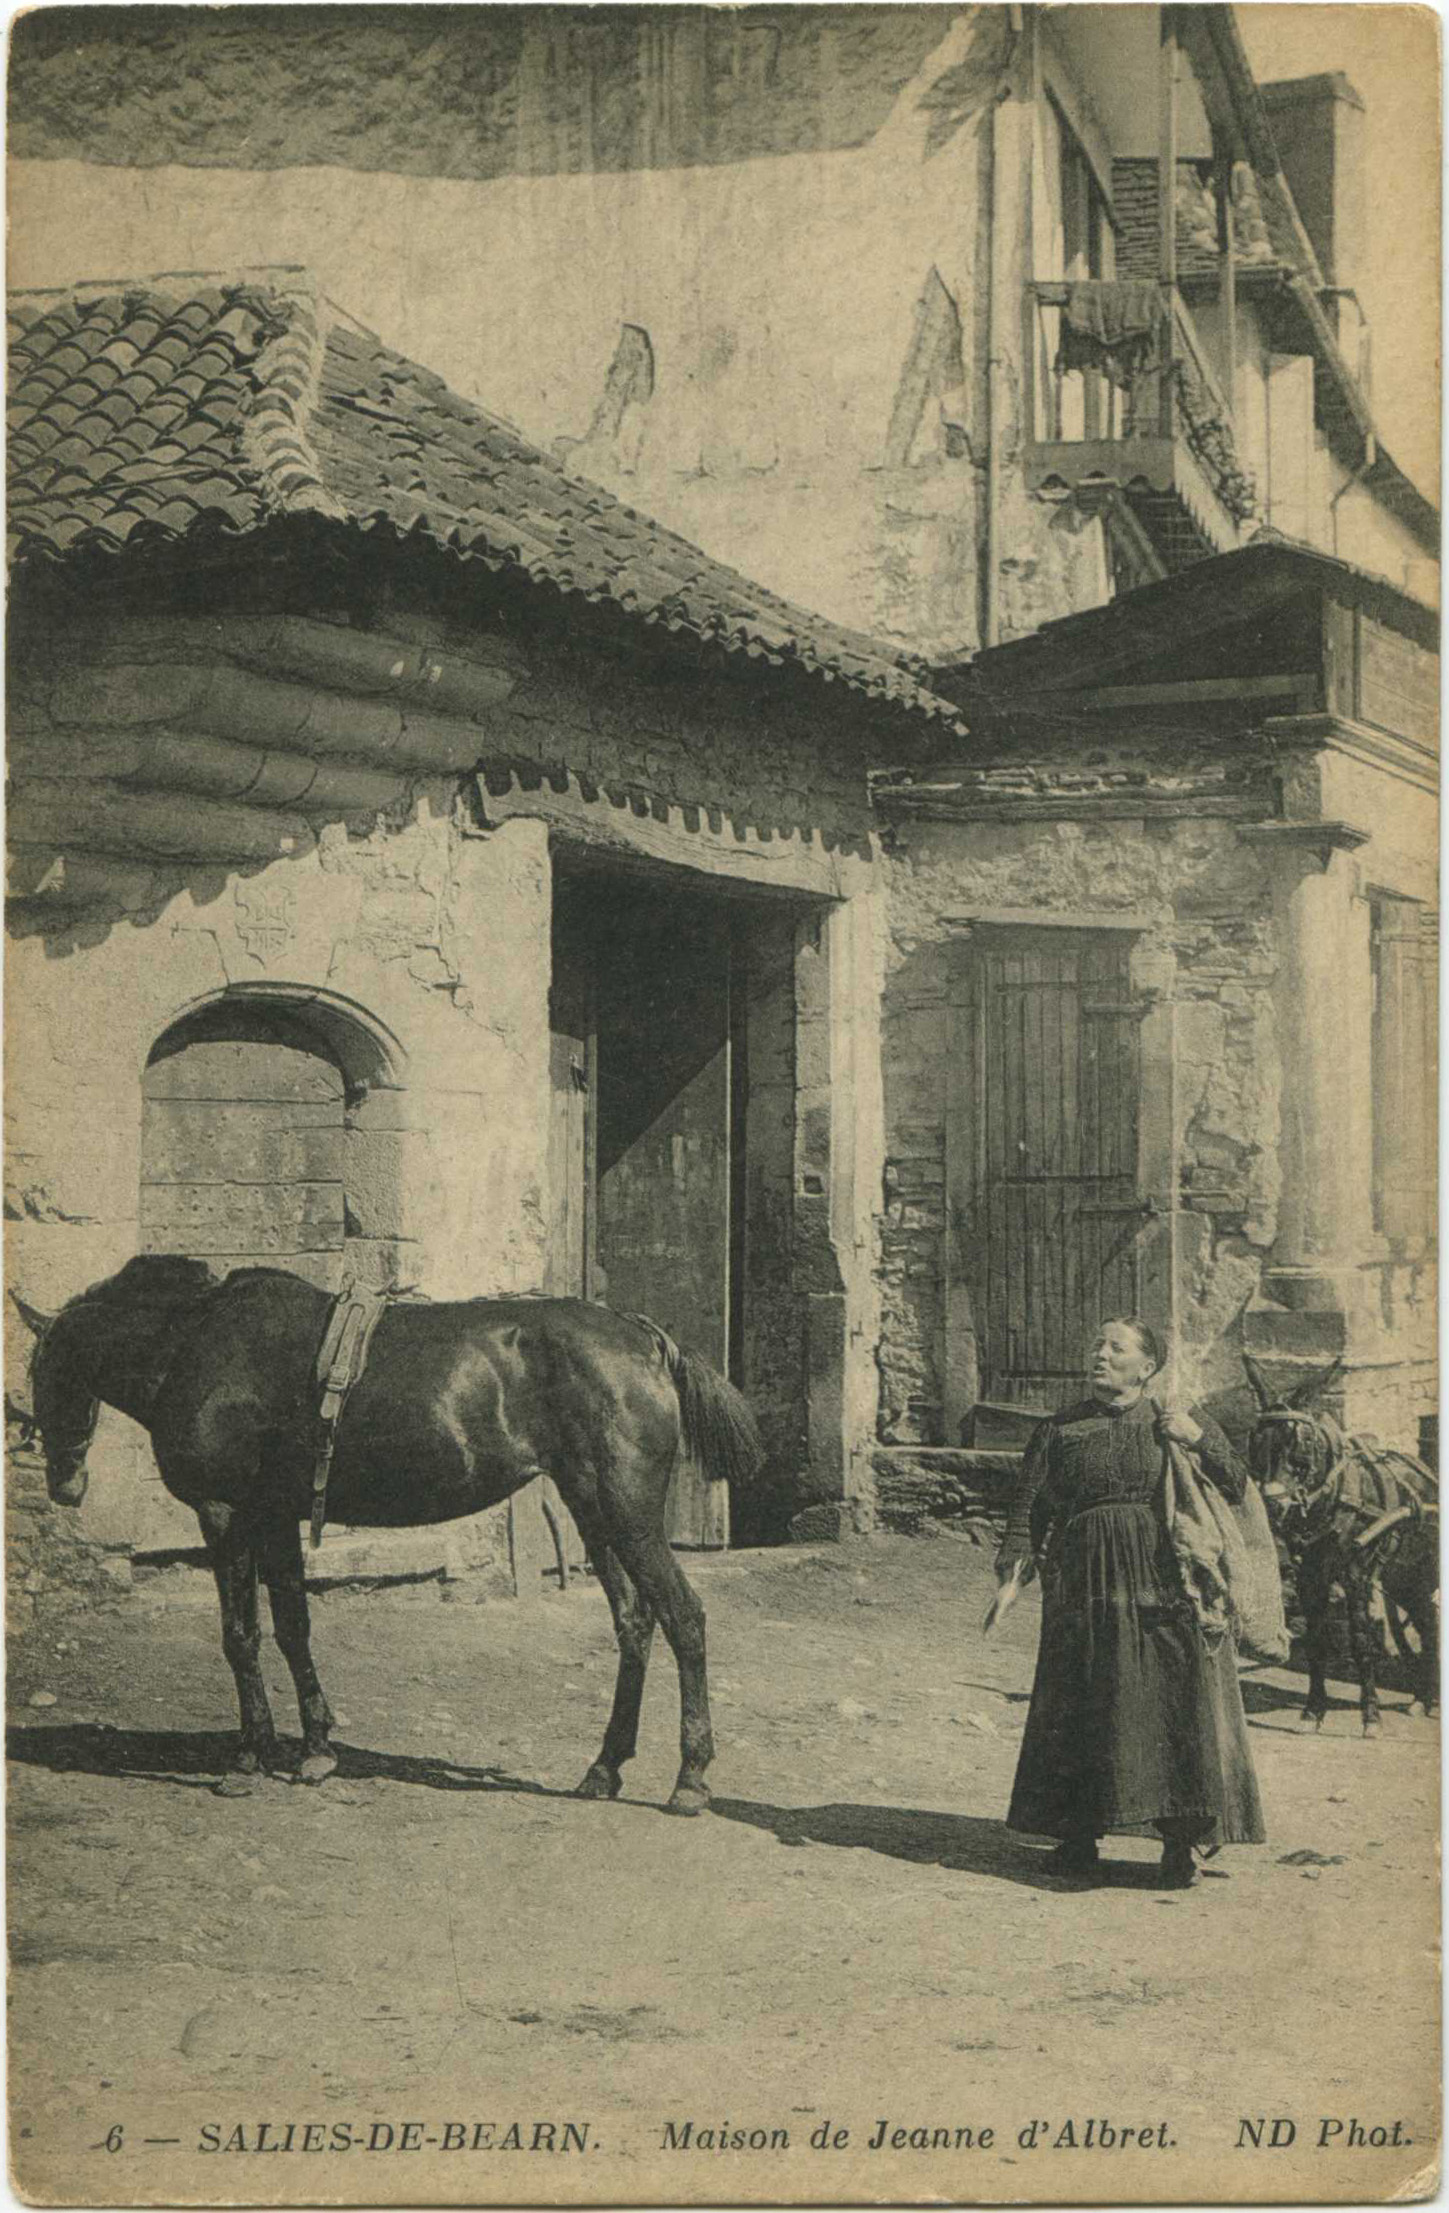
x,y
1124,399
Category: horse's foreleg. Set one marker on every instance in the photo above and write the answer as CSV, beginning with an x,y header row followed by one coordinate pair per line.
x,y
634,1630
230,1542
1357,1583
656,1572
286,1581
1426,1619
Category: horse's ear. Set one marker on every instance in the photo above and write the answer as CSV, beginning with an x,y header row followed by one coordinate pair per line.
x,y
32,1317
1317,1386
1261,1391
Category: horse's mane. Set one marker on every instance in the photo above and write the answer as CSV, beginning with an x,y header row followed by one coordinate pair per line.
x,y
154,1279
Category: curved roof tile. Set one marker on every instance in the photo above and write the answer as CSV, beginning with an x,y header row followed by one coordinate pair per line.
x,y
177,404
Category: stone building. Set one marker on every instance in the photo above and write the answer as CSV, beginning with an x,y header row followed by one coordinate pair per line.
x,y
790,279
1160,1027
426,869
1023,344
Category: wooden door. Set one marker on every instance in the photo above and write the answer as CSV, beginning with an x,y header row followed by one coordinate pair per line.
x,y
241,1158
1055,1229
241,1166
664,1186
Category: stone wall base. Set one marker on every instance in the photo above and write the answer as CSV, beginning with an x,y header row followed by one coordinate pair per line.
x,y
1308,1318
918,1487
832,1521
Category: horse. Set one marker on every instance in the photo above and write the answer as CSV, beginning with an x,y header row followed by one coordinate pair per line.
x,y
1352,1516
460,1405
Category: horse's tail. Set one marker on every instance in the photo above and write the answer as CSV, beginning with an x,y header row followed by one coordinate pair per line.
x,y
717,1421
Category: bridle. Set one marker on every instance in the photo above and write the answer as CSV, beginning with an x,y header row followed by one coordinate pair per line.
x,y
65,1458
1308,1508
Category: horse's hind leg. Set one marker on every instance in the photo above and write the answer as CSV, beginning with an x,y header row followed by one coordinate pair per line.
x,y
1315,1596
1419,1603
661,1584
230,1542
634,1630
286,1581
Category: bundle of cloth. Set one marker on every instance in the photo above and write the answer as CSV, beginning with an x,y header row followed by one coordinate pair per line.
x,y
1111,327
1227,1559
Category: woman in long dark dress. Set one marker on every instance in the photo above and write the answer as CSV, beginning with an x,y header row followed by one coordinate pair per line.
x,y
1135,1721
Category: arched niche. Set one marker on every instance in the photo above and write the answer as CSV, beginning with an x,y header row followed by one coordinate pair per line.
x,y
261,1144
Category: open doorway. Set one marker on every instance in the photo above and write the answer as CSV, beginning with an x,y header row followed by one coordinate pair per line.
x,y
672,1140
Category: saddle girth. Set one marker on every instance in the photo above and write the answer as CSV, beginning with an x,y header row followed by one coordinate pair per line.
x,y
346,1342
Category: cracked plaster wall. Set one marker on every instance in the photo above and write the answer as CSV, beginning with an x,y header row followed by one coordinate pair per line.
x,y
439,933
443,938
776,282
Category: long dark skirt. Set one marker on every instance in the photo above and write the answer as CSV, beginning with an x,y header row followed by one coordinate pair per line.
x,y
1133,1719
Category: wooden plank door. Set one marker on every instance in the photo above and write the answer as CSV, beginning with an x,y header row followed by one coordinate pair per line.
x,y
241,1166
241,1158
665,1194
1057,1223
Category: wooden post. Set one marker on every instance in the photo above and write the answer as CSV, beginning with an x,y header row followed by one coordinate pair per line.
x,y
1167,207
960,1361
1167,149
1228,248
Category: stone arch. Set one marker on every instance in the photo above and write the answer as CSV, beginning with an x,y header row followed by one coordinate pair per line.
x,y
367,1053
272,1135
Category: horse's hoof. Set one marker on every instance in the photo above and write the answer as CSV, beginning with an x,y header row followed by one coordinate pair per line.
x,y
688,1799
237,1784
316,1767
600,1782
1372,1726
1311,1721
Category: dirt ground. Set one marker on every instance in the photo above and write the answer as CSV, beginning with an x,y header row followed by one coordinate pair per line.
x,y
442,1940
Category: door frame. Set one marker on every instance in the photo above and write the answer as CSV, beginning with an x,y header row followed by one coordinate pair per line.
x,y
1157,1147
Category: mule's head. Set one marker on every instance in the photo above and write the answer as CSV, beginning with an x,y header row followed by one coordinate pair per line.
x,y
1293,1451
63,1410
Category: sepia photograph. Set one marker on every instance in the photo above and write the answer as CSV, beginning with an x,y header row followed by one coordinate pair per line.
x,y
721,1104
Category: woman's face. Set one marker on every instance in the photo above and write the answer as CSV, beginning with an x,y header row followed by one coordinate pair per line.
x,y
1119,1361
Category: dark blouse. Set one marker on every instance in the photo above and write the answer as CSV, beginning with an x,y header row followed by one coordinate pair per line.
x,y
1095,1455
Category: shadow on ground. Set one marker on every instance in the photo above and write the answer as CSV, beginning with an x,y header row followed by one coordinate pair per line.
x,y
197,1759
952,1840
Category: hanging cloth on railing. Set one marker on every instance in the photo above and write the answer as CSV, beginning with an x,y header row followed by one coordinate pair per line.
x,y
1110,327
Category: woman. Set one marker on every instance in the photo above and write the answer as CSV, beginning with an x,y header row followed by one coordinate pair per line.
x,y
1135,1720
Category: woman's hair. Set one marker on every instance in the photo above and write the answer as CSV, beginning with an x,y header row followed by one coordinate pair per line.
x,y
1147,1337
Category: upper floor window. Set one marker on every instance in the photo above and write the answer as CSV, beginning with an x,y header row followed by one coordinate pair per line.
x,y
1079,228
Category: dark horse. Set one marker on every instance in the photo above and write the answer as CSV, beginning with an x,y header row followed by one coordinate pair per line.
x,y
1353,1517
459,1406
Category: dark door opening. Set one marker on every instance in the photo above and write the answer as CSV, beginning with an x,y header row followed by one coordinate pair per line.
x,y
647,1136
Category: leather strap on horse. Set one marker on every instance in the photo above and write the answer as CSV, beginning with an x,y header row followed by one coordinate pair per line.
x,y
346,1342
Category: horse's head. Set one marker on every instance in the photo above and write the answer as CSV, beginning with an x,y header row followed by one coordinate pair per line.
x,y
1293,1451
63,1410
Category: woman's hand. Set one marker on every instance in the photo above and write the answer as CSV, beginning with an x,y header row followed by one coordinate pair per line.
x,y
1176,1423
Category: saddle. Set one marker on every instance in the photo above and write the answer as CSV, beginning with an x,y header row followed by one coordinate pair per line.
x,y
341,1360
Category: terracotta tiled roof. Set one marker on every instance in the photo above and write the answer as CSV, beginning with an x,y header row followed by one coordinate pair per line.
x,y
1134,203
190,404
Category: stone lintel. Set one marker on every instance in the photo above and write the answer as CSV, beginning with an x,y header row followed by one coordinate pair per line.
x,y
1320,839
1317,1312
1132,919
1413,759
1135,805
